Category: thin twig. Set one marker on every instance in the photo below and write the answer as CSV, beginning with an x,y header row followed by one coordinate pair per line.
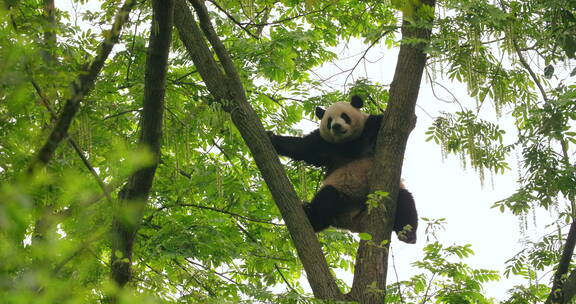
x,y
157,272
193,277
230,213
397,278
83,246
121,113
213,271
384,33
233,19
426,293
432,83
90,201
275,265
185,75
132,47
287,19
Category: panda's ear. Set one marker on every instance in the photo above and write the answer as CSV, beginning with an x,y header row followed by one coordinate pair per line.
x,y
320,112
357,101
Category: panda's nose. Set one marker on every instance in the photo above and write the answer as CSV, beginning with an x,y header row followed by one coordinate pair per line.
x,y
337,127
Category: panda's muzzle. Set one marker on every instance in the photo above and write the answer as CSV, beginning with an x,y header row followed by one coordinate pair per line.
x,y
339,133
337,128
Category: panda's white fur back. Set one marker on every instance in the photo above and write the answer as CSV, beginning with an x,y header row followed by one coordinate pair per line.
x,y
352,178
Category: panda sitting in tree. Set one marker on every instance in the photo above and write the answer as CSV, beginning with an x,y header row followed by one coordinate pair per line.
x,y
344,146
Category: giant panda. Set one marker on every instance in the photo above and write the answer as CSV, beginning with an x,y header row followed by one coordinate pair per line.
x,y
344,146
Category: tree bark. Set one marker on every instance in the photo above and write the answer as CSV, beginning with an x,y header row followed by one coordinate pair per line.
x,y
569,288
49,30
369,283
225,85
564,286
134,195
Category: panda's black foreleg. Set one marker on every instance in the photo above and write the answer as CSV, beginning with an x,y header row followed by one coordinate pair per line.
x,y
311,148
406,215
326,205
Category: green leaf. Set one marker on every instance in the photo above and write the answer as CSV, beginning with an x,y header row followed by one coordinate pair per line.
x,y
365,236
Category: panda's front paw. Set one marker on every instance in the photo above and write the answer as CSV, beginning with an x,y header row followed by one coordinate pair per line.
x,y
270,134
407,235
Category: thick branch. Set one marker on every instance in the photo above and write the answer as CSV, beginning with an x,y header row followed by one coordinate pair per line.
x,y
558,293
569,288
135,193
81,86
399,120
228,88
49,30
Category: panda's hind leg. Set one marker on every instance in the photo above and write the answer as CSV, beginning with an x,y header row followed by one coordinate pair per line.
x,y
326,205
406,215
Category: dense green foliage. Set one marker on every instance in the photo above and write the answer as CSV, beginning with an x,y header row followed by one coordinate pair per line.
x,y
211,232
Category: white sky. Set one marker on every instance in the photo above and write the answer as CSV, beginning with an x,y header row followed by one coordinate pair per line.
x,y
442,188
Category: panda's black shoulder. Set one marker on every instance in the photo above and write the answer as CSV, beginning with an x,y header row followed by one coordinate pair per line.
x,y
361,146
371,127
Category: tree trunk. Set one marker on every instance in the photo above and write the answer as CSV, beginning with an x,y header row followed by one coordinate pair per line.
x,y
134,195
49,30
399,120
225,85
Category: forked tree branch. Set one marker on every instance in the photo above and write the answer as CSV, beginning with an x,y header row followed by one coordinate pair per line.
x,y
226,86
219,48
81,86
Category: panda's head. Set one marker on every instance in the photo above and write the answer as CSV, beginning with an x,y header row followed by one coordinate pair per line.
x,y
342,121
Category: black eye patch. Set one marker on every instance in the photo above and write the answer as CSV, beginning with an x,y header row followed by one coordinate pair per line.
x,y
346,118
329,123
